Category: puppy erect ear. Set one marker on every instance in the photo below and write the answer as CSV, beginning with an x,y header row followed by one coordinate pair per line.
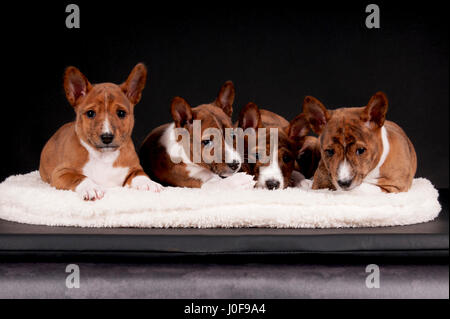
x,y
76,85
225,98
375,111
181,112
299,127
250,117
135,83
316,114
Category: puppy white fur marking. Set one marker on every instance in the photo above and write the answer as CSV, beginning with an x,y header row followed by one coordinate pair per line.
x,y
344,171
374,175
99,168
271,172
232,155
106,127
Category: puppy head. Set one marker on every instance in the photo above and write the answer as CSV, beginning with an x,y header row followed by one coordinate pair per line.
x,y
274,171
105,117
350,138
214,117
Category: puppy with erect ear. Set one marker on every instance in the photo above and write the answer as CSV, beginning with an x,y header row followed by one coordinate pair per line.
x,y
250,121
272,167
225,98
95,151
202,157
359,146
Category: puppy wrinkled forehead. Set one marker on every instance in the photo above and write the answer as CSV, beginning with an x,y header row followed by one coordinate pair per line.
x,y
212,116
344,130
107,94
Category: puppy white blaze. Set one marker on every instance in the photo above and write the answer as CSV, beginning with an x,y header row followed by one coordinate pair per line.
x,y
271,172
232,155
106,127
344,171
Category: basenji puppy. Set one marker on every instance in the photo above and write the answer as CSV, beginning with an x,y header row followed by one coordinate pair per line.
x,y
96,151
276,170
359,146
166,159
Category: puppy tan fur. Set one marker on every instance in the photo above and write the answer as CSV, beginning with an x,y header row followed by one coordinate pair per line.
x,y
359,146
96,151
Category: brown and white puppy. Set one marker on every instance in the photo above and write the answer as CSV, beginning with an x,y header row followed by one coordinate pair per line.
x,y
96,151
165,158
360,147
293,143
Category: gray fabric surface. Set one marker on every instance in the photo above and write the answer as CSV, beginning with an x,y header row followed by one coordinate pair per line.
x,y
48,280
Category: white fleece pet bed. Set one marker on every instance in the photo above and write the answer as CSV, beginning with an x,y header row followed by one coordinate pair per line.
x,y
27,199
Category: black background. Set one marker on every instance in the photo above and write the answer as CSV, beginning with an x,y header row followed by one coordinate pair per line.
x,y
275,54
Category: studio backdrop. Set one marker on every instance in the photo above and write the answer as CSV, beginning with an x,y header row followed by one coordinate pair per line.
x,y
275,54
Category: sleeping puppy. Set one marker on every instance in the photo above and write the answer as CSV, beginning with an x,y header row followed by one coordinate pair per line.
x,y
294,148
172,161
360,147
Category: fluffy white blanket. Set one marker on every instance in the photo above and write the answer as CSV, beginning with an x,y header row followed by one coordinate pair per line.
x,y
27,199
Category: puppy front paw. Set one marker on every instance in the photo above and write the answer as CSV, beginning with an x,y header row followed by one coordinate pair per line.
x,y
144,183
242,181
306,184
88,190
233,182
299,181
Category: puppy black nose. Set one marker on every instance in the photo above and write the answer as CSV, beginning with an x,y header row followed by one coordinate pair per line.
x,y
345,184
234,166
272,184
107,138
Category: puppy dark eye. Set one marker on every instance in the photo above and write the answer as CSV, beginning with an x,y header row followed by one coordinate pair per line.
x,y
287,158
121,113
360,150
329,152
206,142
90,114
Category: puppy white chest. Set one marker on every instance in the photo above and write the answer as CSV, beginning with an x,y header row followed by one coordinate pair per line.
x,y
100,168
374,175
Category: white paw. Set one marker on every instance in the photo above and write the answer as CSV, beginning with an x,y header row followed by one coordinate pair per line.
x,y
236,181
88,190
144,183
306,184
241,181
